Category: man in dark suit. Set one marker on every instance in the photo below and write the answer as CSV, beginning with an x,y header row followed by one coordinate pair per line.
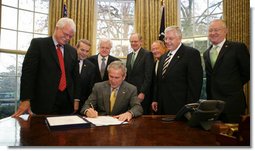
x,y
103,59
114,97
227,72
158,48
180,75
139,70
87,70
49,81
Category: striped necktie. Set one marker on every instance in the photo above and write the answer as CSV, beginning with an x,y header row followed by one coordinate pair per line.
x,y
166,63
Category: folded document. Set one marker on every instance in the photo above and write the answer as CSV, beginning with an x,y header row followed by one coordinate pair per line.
x,y
104,121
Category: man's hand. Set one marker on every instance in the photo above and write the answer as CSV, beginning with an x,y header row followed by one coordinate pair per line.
x,y
91,113
24,106
76,105
127,116
141,96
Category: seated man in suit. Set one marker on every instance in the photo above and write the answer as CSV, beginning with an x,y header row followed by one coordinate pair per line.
x,y
113,97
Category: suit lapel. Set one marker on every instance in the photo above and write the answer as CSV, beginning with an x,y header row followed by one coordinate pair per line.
x,y
138,57
53,51
223,50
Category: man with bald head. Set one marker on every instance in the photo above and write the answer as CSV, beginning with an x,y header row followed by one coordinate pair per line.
x,y
227,66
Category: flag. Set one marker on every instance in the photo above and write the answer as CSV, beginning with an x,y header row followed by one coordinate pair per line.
x,y
162,24
64,10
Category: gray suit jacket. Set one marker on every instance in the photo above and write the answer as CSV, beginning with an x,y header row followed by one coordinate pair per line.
x,y
126,99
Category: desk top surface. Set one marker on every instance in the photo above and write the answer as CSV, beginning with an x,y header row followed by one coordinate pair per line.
x,y
147,130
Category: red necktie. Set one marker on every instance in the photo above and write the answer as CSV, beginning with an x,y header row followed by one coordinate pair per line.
x,y
62,82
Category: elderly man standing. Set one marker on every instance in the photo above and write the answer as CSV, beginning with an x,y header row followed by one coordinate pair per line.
x,y
227,66
179,75
140,69
50,76
102,59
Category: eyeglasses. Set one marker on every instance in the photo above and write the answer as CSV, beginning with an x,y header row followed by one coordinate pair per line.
x,y
66,34
214,30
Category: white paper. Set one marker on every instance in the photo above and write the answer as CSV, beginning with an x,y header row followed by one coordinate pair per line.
x,y
65,120
105,120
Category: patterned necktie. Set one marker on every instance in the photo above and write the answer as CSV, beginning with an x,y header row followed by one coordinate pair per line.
x,y
133,59
112,99
166,63
213,55
62,82
102,67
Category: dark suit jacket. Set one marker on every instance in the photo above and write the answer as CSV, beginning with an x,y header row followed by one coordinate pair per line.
x,y
126,99
182,82
141,75
41,74
88,73
225,81
94,60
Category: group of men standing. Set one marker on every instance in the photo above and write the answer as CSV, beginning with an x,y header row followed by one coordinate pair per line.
x,y
161,81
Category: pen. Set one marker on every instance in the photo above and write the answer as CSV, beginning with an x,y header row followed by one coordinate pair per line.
x,y
91,105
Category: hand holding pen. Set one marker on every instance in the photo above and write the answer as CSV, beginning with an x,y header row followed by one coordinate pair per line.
x,y
91,112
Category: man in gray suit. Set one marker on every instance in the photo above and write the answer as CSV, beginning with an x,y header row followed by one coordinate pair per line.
x,y
113,97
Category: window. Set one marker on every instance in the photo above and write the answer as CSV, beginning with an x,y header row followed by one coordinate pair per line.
x,y
115,21
21,20
195,18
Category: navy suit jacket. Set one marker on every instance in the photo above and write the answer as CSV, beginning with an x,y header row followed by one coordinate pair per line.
x,y
41,74
182,82
225,81
88,72
94,60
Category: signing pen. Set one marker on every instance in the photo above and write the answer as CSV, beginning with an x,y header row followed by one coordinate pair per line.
x,y
91,105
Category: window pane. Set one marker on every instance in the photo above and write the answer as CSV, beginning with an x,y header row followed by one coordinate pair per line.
x,y
24,40
200,26
39,35
42,6
41,23
25,21
6,20
115,20
26,4
13,3
20,61
215,6
187,27
200,44
7,65
8,39
200,7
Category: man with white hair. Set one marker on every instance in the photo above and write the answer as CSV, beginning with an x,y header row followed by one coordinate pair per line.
x,y
50,74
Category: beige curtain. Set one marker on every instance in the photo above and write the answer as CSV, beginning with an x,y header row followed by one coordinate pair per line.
x,y
83,14
147,20
172,12
237,17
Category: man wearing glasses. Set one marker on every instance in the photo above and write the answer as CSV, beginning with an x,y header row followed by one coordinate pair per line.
x,y
50,74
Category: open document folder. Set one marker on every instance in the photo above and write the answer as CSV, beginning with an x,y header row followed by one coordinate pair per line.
x,y
104,121
66,122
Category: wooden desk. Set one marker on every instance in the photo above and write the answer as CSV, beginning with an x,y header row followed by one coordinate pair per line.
x,y
142,131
